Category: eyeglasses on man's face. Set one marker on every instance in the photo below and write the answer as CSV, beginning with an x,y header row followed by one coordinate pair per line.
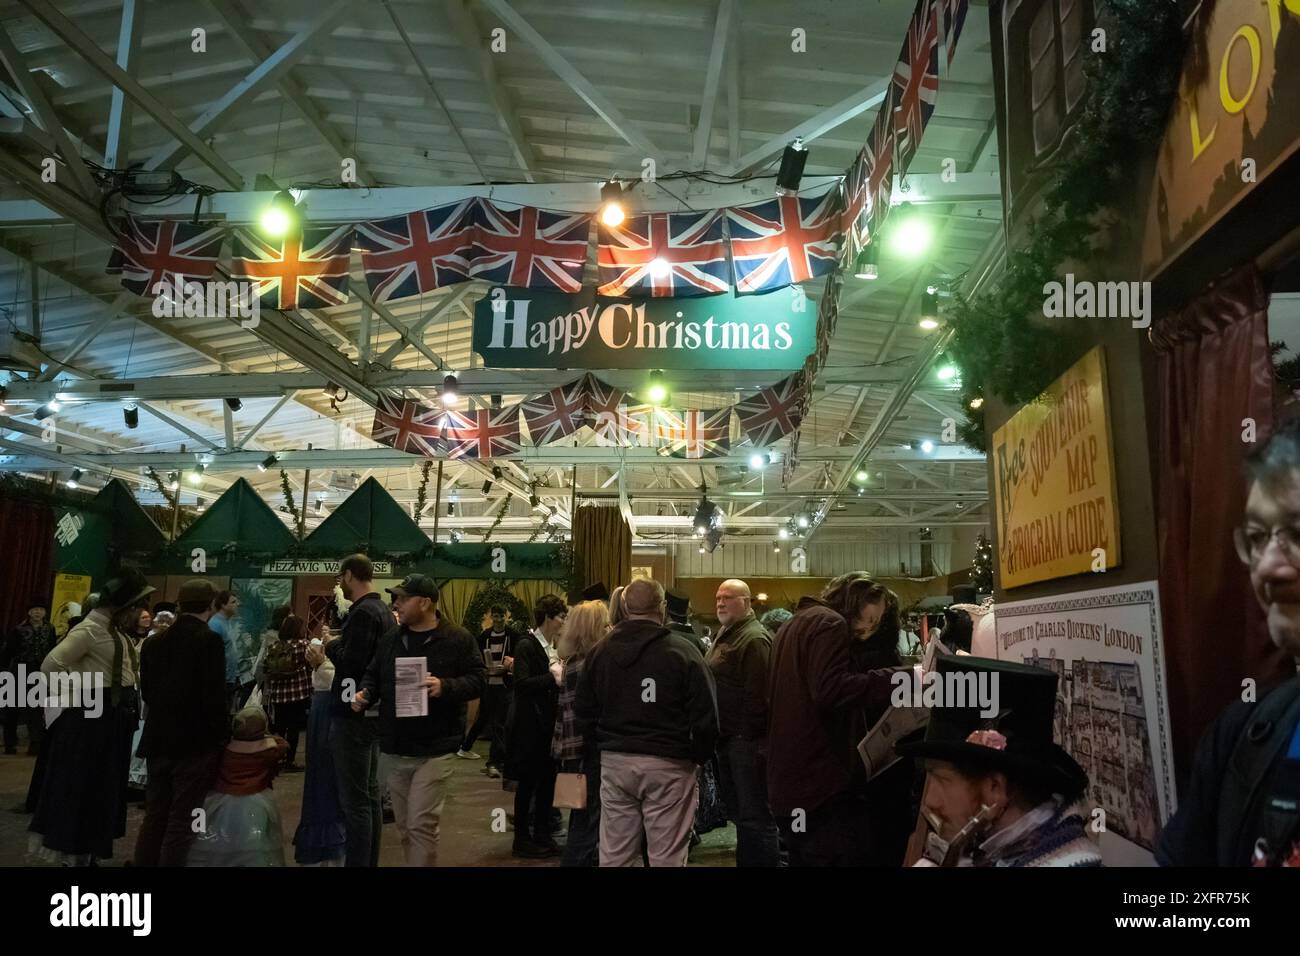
x,y
1252,541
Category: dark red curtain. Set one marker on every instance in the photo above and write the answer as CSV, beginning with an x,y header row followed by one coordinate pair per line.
x,y
1214,370
26,558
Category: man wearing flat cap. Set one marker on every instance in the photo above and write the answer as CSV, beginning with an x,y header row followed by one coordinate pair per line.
x,y
999,791
416,752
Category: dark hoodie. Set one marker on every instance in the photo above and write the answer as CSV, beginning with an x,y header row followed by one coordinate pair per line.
x,y
676,716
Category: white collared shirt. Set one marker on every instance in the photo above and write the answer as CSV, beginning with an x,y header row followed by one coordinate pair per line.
x,y
551,653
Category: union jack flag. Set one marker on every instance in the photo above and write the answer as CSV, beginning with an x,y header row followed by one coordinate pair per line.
x,y
529,248
557,414
782,241
606,413
306,270
408,426
695,433
855,210
774,412
954,18
418,252
664,254
880,176
148,253
916,81
482,433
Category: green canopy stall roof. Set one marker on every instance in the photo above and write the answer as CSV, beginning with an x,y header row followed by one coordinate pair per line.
x,y
369,521
238,521
133,531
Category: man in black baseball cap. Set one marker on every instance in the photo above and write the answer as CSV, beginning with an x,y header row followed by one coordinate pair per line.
x,y
416,751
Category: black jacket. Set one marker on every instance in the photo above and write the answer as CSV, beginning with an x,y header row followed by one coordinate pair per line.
x,y
366,621
183,683
675,716
738,660
1197,835
453,658
531,721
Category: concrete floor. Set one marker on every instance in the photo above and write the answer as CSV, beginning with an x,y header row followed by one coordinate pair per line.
x,y
467,835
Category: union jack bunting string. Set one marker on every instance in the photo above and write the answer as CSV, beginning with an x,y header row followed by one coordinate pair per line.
x,y
773,412
419,252
482,433
307,270
916,81
664,254
408,426
557,414
696,433
149,253
786,240
954,18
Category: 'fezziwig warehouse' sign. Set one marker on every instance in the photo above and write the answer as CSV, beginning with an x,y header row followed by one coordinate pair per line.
x,y
519,328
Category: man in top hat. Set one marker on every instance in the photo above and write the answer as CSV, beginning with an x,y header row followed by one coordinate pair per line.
x,y
679,618
999,791
596,592
417,751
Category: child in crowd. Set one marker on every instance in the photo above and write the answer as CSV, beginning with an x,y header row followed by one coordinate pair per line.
x,y
241,825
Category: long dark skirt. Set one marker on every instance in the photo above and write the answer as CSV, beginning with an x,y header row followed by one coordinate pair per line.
x,y
81,808
322,834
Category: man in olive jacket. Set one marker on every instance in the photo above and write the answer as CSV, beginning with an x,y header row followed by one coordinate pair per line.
x,y
738,660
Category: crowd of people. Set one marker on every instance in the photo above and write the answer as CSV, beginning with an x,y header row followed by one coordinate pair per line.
x,y
619,710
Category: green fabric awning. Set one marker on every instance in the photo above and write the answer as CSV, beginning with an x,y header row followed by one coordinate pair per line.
x,y
238,520
369,521
133,531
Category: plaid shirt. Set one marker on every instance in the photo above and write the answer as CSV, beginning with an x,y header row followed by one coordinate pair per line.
x,y
288,688
566,742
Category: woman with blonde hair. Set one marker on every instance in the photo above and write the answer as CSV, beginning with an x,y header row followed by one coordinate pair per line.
x,y
585,627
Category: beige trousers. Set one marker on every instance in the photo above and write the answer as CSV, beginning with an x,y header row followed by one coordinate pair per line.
x,y
418,786
654,795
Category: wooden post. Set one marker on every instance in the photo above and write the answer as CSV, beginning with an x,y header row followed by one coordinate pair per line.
x,y
176,502
306,492
437,501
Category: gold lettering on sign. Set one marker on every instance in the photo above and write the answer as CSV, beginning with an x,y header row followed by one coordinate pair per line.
x,y
1231,103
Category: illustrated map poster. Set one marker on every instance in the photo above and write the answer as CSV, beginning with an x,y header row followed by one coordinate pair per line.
x,y
1112,708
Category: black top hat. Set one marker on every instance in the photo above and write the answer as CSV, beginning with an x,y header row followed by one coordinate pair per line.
x,y
125,589
679,604
596,592
1018,741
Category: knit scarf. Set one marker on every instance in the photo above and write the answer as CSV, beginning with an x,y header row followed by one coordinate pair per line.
x,y
1058,841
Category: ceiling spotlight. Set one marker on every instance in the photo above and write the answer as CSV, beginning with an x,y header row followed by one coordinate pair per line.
x,y
533,500
267,462
496,403
612,212
912,233
46,410
977,403
705,516
658,390
234,404
701,549
450,391
659,268
862,476
928,324
927,446
802,521
320,503
758,461
791,170
496,472
947,373
196,475
200,507
456,535
173,481
280,217
960,506
131,415
487,486
776,548
864,266
74,478
783,533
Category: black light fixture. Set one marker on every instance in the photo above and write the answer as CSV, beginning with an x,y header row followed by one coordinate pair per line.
x,y
791,171
234,404
658,391
131,415
776,548
451,509
865,265
533,500
267,462
196,474
497,473
496,403
74,478
487,486
46,410
173,481
320,503
456,536
706,516
612,212
930,309
450,391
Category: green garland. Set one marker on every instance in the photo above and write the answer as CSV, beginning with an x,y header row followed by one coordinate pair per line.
x,y
1130,89
496,521
287,491
422,495
162,489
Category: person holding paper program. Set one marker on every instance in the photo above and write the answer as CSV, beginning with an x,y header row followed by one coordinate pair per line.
x,y
416,751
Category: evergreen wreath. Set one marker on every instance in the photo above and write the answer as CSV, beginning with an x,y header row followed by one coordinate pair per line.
x,y
1130,89
519,619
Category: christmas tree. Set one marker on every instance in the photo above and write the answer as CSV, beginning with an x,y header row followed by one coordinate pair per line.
x,y
981,572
